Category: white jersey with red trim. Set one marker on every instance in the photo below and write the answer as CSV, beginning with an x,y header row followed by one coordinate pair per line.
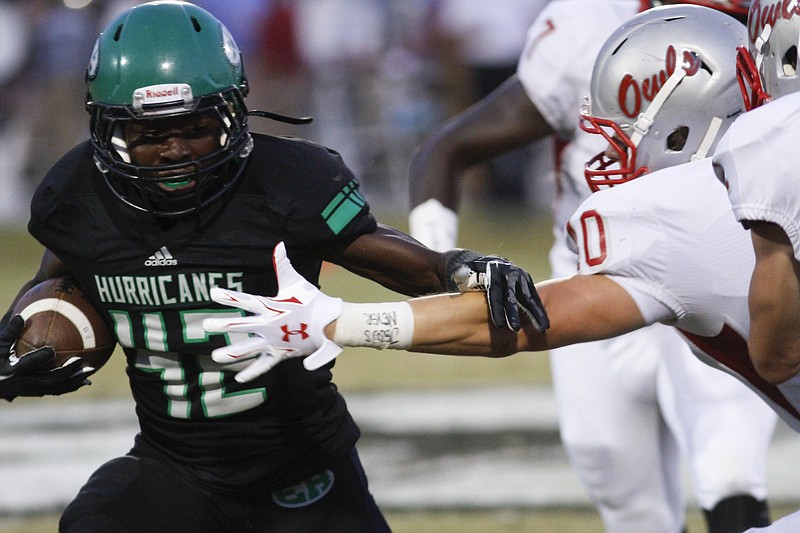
x,y
555,69
671,241
628,405
758,160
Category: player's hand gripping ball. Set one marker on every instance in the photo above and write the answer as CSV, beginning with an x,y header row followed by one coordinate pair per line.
x,y
58,314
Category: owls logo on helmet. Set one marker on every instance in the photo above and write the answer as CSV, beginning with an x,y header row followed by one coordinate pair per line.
x,y
767,68
649,79
162,60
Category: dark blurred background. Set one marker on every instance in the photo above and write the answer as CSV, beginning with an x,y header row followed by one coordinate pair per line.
x,y
376,75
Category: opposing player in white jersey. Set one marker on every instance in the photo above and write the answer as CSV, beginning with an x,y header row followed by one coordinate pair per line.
x,y
593,307
621,440
757,161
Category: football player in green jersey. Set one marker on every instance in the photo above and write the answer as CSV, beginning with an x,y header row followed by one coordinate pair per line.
x,y
172,196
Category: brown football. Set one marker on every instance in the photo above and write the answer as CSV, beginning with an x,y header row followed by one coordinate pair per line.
x,y
58,314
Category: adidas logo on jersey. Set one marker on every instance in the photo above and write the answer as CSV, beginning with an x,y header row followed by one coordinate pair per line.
x,y
162,257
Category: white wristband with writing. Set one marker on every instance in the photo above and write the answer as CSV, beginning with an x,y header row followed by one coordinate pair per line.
x,y
376,325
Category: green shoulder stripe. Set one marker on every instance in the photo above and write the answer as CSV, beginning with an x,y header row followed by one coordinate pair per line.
x,y
343,208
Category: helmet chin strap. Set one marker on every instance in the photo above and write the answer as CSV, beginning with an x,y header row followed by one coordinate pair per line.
x,y
708,140
280,118
646,119
760,46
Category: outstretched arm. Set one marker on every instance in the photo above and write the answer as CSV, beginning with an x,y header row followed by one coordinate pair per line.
x,y
580,308
774,302
397,261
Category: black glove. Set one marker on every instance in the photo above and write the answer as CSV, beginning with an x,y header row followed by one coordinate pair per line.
x,y
508,288
19,375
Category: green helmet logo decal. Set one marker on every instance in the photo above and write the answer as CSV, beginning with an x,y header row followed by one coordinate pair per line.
x,y
229,45
94,61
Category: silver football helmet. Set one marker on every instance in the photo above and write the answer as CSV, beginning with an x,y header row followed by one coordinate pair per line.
x,y
768,69
663,91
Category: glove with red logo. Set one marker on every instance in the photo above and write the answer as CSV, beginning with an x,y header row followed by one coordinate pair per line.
x,y
289,324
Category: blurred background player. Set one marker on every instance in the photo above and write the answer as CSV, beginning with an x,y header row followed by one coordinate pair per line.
x,y
621,417
649,250
15,83
478,45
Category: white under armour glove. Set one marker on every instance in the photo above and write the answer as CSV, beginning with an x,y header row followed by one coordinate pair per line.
x,y
290,324
434,225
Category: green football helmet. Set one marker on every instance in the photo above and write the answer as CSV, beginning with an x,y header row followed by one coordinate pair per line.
x,y
162,60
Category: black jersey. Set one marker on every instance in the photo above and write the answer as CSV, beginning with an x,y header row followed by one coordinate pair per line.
x,y
152,281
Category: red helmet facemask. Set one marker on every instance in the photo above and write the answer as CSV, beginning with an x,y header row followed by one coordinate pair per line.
x,y
603,171
749,79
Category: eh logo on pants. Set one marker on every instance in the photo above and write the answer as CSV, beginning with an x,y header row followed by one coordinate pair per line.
x,y
306,492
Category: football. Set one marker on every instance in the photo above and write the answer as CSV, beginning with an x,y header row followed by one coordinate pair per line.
x,y
58,314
